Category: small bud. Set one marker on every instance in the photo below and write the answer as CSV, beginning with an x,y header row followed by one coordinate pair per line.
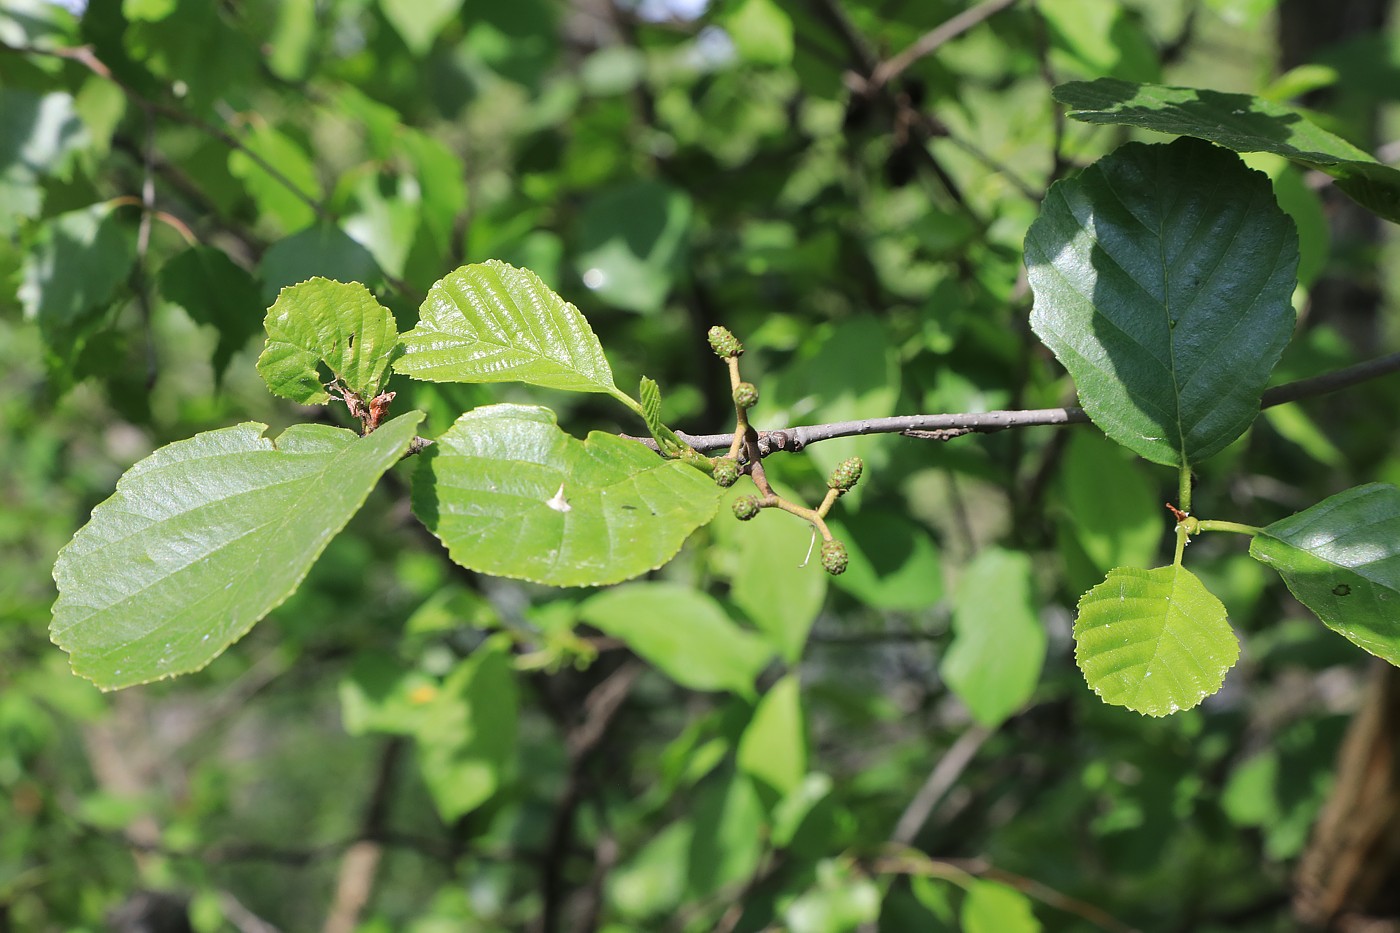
x,y
745,395
724,343
834,558
746,507
846,474
726,472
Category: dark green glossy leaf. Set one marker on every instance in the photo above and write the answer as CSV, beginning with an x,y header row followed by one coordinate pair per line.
x,y
1341,558
336,324
1163,278
510,494
203,538
1155,641
1240,122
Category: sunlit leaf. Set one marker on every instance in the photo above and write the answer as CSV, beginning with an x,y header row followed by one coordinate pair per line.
x,y
492,322
1341,558
1240,122
1163,277
419,21
1155,641
512,495
992,907
773,749
336,324
215,291
203,538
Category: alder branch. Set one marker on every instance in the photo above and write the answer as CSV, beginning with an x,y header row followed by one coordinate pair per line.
x,y
945,427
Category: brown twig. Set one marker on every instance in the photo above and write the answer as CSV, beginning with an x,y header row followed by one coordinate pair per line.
x,y
951,765
360,864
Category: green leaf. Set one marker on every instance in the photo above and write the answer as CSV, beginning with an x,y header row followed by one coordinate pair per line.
x,y
1163,278
41,134
682,632
77,261
419,21
727,843
339,324
1112,509
1239,122
512,495
1341,559
998,644
774,575
322,250
203,538
1155,641
466,738
761,31
632,242
842,901
1098,39
492,322
992,907
274,197
773,749
665,438
215,291
894,563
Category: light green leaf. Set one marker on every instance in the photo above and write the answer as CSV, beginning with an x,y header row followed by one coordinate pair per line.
x,y
338,324
773,749
1096,38
42,133
419,21
205,537
992,907
1155,641
632,242
492,322
1163,277
466,738
652,881
381,695
665,438
1341,558
288,205
728,841
761,31
1111,507
682,632
512,495
842,901
771,575
1239,122
998,644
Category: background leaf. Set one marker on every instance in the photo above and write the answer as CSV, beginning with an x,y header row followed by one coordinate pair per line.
x,y
1155,641
493,322
510,494
773,748
1341,558
419,21
320,321
1240,122
203,538
682,632
1168,316
998,645
632,242
992,907
214,291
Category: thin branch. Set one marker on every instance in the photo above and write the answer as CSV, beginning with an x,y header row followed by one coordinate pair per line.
x,y
935,39
940,780
948,426
360,864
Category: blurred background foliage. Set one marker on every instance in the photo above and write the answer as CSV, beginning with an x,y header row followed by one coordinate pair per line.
x,y
404,746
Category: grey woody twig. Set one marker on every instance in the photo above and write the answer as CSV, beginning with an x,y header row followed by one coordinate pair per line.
x,y
935,39
948,426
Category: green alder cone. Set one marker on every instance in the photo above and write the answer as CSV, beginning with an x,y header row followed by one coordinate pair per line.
x,y
205,537
1341,559
1163,278
1155,641
338,324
